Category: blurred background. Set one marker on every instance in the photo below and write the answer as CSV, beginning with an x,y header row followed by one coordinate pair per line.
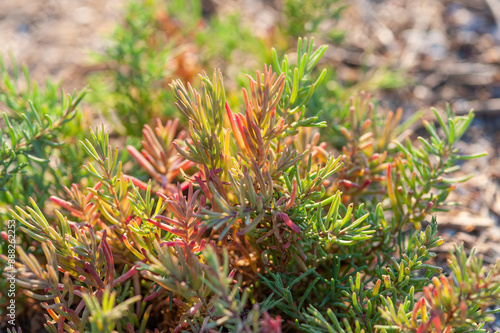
x,y
409,54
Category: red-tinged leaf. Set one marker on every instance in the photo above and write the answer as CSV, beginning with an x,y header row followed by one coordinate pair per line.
x,y
428,207
174,243
93,273
194,309
428,294
62,286
145,254
163,196
423,313
463,310
270,324
280,126
200,247
60,324
301,252
366,124
176,169
185,185
125,276
178,302
234,128
130,328
280,201
131,248
390,187
348,183
249,142
169,220
176,209
137,182
64,204
88,206
152,159
243,144
108,255
295,228
437,324
154,295
203,187
91,195
345,132
177,232
444,281
415,312
366,183
290,202
141,160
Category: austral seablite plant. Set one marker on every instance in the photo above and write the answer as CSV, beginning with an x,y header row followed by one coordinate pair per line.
x,y
36,122
37,127
250,224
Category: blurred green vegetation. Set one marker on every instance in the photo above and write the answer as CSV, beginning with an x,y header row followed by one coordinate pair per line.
x,y
160,40
39,150
38,138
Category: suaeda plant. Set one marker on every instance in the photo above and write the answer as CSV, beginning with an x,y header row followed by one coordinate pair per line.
x,y
37,120
250,224
36,156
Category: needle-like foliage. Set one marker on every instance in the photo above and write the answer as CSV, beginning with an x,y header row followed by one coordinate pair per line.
x,y
250,224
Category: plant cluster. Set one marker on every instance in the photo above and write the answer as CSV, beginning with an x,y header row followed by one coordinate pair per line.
x,y
248,223
35,122
38,125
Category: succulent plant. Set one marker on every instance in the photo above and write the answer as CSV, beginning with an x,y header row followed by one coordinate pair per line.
x,y
250,224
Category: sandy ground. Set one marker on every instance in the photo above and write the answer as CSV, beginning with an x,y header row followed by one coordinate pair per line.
x,y
55,37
